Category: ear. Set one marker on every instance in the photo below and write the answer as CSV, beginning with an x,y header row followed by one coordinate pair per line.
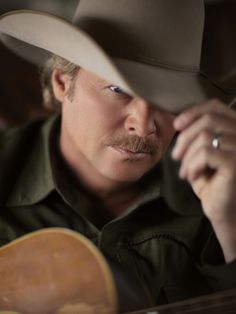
x,y
60,84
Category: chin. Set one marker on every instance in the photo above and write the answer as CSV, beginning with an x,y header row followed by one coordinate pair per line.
x,y
125,172
127,175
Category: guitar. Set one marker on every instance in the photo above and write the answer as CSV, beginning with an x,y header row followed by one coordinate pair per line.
x,y
58,271
217,303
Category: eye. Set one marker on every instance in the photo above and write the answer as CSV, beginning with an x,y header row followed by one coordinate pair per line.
x,y
116,89
118,94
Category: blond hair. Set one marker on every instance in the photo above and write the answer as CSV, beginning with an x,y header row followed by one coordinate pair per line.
x,y
55,62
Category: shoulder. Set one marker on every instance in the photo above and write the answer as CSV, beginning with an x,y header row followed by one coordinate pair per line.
x,y
11,137
15,145
18,140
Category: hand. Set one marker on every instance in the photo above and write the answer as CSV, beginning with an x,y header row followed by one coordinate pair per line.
x,y
210,171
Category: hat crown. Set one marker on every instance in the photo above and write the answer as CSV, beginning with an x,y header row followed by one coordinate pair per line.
x,y
158,32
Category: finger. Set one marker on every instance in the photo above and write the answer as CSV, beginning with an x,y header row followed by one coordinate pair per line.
x,y
207,159
209,123
193,113
204,141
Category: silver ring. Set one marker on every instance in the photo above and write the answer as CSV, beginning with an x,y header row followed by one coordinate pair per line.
x,y
216,141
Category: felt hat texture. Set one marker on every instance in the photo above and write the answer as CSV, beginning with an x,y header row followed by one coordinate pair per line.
x,y
149,48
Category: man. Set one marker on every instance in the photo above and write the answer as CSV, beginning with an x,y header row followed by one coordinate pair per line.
x,y
126,83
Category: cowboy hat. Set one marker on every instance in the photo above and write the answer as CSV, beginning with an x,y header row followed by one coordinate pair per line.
x,y
149,48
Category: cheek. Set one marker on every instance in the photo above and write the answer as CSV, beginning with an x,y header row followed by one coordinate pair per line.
x,y
92,121
99,114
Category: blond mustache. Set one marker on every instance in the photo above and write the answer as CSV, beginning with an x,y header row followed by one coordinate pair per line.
x,y
135,144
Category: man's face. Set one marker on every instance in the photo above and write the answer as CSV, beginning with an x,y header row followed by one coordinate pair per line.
x,y
111,135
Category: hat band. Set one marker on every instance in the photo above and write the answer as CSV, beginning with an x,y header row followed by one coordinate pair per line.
x,y
158,63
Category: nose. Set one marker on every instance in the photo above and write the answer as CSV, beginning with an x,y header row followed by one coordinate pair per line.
x,y
140,119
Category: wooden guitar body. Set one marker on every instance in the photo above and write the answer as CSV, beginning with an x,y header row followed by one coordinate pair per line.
x,y
58,271
55,271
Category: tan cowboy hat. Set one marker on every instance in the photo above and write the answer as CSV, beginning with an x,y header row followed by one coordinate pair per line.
x,y
149,48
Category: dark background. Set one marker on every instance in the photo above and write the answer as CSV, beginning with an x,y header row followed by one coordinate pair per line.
x,y
20,95
20,92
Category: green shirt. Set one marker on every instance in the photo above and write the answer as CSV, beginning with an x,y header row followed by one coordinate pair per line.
x,y
163,237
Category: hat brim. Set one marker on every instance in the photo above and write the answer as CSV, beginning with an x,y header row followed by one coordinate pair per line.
x,y
35,35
